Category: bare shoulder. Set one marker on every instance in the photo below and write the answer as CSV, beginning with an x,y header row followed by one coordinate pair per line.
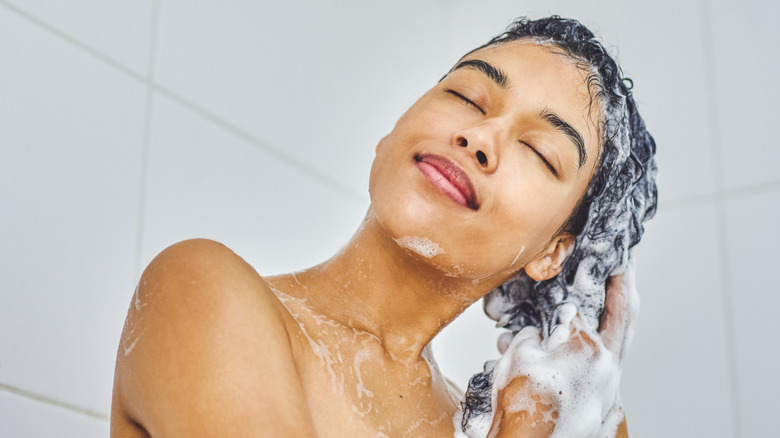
x,y
204,273
205,352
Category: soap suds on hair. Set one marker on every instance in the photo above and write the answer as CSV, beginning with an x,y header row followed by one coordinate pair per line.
x,y
588,403
420,245
608,223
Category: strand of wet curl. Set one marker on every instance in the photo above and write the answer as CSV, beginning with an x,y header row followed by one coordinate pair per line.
x,y
621,197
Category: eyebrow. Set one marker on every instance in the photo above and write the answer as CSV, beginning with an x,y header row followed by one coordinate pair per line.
x,y
566,129
495,74
501,79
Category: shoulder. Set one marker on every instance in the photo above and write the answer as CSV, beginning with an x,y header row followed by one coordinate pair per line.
x,y
198,262
204,351
201,285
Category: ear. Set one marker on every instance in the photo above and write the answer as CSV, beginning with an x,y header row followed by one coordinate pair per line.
x,y
550,262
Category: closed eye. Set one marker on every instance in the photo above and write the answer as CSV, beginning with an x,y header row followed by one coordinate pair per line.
x,y
465,99
544,160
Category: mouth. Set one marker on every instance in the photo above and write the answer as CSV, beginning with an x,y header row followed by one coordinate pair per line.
x,y
448,178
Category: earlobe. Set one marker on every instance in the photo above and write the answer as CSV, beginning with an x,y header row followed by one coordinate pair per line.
x,y
550,262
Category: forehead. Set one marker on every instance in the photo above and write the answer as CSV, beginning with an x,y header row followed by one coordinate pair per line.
x,y
542,76
532,65
527,50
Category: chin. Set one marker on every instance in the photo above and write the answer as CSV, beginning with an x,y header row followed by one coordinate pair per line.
x,y
413,223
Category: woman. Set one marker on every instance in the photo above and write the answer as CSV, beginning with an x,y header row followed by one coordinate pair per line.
x,y
488,174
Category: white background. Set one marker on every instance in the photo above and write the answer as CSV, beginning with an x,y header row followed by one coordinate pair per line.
x,y
126,126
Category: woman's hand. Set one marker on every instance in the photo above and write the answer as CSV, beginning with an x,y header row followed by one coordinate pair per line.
x,y
566,384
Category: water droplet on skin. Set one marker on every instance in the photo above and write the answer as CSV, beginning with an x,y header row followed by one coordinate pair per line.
x,y
518,256
129,349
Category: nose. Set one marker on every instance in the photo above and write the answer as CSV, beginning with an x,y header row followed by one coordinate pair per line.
x,y
480,145
481,157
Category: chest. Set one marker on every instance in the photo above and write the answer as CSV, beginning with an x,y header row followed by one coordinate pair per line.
x,y
355,390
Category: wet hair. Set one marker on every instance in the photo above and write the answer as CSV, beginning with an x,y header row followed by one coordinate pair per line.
x,y
608,220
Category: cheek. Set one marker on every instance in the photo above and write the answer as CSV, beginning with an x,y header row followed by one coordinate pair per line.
x,y
527,219
396,199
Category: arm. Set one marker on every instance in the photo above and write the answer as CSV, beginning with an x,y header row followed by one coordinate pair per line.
x,y
205,353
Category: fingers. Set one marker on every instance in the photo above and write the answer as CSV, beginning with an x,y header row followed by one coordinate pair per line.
x,y
561,332
503,341
620,309
612,324
614,423
520,412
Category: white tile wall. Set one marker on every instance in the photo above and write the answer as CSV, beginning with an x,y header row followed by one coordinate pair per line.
x,y
21,417
746,52
752,242
675,381
206,182
70,156
120,30
321,81
463,347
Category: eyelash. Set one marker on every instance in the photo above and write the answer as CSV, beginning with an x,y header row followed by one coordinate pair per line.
x,y
544,160
471,102
465,99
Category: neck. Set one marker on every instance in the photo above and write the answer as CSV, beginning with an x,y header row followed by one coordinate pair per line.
x,y
375,286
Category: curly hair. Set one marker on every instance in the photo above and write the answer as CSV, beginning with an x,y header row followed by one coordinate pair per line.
x,y
608,220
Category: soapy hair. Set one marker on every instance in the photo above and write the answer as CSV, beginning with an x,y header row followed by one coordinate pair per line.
x,y
607,221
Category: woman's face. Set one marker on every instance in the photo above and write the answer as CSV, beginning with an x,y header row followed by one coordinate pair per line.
x,y
486,166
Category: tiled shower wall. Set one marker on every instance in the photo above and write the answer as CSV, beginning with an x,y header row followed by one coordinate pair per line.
x,y
126,126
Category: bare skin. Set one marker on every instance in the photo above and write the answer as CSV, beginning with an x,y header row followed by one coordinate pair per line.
x,y
211,348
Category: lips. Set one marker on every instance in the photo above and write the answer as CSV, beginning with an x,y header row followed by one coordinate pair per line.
x,y
448,178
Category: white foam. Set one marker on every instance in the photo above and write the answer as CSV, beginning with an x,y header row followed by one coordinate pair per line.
x,y
518,255
581,377
295,277
320,348
129,349
420,245
361,356
136,298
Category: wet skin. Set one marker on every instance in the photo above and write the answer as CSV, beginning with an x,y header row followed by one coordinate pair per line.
x,y
210,348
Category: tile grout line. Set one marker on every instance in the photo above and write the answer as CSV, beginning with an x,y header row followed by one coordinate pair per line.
x,y
151,88
147,136
277,153
720,220
751,189
677,203
113,63
686,201
725,195
54,402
